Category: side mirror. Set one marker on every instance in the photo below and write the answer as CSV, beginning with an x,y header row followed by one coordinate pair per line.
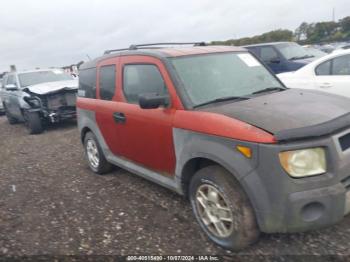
x,y
152,101
275,60
11,87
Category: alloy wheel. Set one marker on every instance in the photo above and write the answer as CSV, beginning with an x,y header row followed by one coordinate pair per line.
x,y
214,211
92,153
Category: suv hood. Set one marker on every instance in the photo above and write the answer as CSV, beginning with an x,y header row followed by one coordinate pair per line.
x,y
53,87
290,114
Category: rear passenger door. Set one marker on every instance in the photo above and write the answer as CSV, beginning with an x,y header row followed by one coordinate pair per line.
x,y
106,104
146,134
334,75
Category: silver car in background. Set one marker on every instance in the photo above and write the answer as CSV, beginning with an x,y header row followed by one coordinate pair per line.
x,y
39,97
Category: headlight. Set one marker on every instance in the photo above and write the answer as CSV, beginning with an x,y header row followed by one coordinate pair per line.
x,y
304,162
32,101
35,102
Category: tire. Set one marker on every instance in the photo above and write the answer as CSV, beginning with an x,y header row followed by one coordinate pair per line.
x,y
222,208
33,122
10,119
94,155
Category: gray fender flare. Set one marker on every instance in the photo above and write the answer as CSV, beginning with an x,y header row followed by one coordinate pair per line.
x,y
190,145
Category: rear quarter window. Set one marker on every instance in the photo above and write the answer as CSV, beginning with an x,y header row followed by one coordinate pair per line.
x,y
323,69
107,82
87,83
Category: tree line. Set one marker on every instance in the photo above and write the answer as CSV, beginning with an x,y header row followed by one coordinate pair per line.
x,y
306,33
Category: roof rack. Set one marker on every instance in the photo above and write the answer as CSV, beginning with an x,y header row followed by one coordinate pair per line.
x,y
153,46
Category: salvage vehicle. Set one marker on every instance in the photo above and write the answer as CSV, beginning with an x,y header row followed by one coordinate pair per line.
x,y
39,97
282,56
330,74
215,125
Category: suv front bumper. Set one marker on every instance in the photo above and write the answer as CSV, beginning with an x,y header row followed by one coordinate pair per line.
x,y
286,204
315,208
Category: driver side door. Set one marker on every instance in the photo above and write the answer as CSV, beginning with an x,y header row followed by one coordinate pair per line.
x,y
146,134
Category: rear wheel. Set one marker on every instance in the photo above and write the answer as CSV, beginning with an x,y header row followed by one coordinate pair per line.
x,y
33,122
222,208
94,154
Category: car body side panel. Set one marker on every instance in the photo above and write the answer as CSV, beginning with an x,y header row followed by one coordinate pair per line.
x,y
87,120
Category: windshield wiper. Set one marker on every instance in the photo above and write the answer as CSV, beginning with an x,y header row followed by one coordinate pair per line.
x,y
269,89
222,99
300,57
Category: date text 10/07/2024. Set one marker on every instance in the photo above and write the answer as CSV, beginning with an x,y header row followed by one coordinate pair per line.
x,y
172,258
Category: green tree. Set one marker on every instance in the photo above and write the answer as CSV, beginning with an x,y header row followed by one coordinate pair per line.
x,y
345,26
305,34
301,31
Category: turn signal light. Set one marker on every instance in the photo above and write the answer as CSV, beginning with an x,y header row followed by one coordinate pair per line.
x,y
246,151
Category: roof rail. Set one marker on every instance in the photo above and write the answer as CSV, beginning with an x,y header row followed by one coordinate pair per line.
x,y
153,46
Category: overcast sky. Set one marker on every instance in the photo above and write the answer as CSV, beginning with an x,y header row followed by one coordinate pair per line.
x,y
36,33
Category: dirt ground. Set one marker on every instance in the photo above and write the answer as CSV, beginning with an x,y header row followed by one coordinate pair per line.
x,y
52,204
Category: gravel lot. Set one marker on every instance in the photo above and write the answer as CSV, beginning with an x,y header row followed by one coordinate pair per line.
x,y
52,204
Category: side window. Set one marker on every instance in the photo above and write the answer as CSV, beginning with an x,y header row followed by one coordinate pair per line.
x,y
87,83
341,65
267,53
11,80
253,50
107,82
142,79
324,69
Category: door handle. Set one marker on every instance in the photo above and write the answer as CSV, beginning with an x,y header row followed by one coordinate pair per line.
x,y
119,117
326,85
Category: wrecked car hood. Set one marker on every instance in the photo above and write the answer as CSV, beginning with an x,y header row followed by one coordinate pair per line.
x,y
290,114
52,87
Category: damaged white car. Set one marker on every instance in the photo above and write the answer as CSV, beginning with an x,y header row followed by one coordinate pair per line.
x,y
39,97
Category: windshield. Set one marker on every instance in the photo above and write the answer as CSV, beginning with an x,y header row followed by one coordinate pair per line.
x,y
293,51
33,78
214,76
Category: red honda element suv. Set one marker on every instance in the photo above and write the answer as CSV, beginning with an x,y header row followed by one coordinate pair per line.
x,y
215,125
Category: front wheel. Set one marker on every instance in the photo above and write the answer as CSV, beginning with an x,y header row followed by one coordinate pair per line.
x,y
33,122
222,208
10,118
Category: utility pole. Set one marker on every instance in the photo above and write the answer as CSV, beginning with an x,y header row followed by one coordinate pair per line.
x,y
333,15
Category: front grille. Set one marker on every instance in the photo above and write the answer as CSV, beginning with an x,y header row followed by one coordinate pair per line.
x,y
344,142
346,183
58,100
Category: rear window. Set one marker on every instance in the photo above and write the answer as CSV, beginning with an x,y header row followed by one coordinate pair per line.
x,y
107,82
87,83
